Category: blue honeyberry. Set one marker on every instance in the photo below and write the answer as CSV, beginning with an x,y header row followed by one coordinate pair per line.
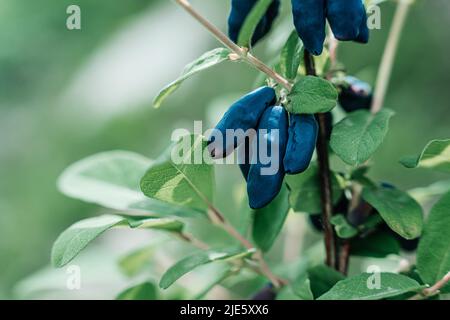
x,y
245,154
345,18
364,34
239,12
302,139
309,21
266,293
355,95
242,115
265,177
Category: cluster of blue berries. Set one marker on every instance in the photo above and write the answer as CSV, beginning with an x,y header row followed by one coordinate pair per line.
x,y
293,140
347,19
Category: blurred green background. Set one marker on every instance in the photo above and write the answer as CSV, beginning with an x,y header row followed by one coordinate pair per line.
x,y
65,95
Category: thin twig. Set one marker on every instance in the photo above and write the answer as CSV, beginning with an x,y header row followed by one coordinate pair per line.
x,y
428,292
387,62
218,218
324,175
241,52
215,216
192,240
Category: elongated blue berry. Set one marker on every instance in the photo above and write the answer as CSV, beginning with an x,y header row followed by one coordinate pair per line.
x,y
303,131
266,176
246,155
239,12
355,95
363,36
242,116
345,18
309,21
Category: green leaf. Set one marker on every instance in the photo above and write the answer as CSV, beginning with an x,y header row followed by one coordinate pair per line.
x,y
435,155
217,279
358,136
304,195
190,263
269,220
206,61
378,245
144,291
252,21
322,279
74,239
400,211
291,56
425,195
182,182
135,261
359,287
343,228
312,95
111,179
322,62
302,288
433,254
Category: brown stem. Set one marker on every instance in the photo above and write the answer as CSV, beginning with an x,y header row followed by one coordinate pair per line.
x,y
218,218
241,52
432,290
387,62
324,175
344,256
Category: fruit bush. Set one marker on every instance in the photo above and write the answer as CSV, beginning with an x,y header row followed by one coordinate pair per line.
x,y
307,95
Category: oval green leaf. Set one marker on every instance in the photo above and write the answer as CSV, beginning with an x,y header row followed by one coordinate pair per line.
x,y
74,239
398,209
356,138
182,181
252,21
366,287
433,254
312,95
206,61
144,291
190,263
269,221
435,155
291,56
111,179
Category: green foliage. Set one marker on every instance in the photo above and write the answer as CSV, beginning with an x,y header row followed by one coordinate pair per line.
x,y
433,255
269,220
144,291
157,190
343,228
435,155
186,184
217,279
206,61
304,194
312,95
134,262
400,211
302,288
251,22
191,262
111,179
357,287
291,56
359,135
73,240
379,245
323,278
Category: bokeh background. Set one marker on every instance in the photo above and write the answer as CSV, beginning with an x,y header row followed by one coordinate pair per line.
x,y
65,95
